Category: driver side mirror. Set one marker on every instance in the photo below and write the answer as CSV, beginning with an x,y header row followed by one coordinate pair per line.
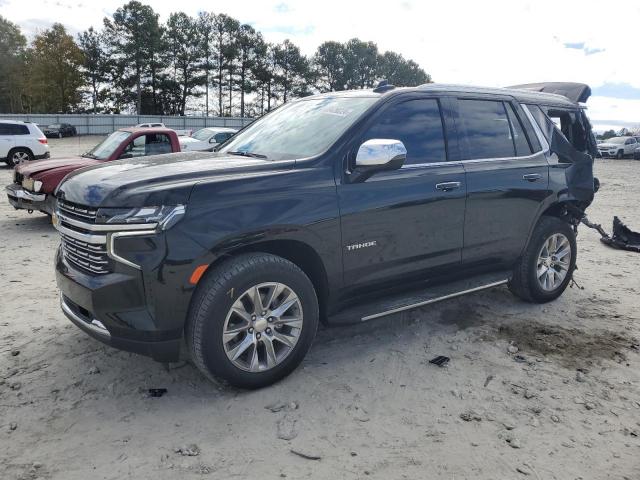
x,y
377,155
212,140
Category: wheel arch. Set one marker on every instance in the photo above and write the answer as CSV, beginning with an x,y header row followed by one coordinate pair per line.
x,y
301,254
13,149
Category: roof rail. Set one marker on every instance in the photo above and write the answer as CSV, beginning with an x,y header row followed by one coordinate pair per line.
x,y
383,86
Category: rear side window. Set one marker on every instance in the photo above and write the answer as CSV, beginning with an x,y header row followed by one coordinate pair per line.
x,y
13,129
485,127
519,138
545,124
417,124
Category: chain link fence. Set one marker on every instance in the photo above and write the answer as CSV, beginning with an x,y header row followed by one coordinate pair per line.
x,y
105,124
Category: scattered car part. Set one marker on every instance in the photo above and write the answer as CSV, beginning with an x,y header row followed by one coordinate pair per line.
x,y
440,361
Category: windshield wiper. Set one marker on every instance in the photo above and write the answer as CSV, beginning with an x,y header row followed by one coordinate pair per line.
x,y
248,154
88,155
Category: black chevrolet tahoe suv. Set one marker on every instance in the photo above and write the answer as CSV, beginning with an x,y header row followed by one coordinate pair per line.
x,y
340,207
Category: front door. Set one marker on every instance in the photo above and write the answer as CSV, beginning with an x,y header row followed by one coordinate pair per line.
x,y
507,179
400,223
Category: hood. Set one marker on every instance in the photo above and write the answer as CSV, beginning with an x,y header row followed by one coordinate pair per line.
x,y
33,168
610,145
188,140
158,180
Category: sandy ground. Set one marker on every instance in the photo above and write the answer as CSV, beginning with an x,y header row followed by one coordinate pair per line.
x,y
366,402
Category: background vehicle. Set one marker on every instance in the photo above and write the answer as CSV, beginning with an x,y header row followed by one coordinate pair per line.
x,y
341,207
182,133
206,139
59,130
20,141
34,183
618,147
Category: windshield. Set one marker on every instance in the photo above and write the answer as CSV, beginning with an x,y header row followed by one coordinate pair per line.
x,y
301,129
616,140
202,134
105,149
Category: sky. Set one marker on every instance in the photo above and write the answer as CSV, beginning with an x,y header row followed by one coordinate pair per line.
x,y
488,42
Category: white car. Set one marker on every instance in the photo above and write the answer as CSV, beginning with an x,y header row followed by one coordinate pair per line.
x,y
206,139
180,133
618,147
21,141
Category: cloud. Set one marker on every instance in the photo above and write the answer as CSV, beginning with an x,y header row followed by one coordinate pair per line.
x,y
516,42
617,90
582,46
575,46
282,8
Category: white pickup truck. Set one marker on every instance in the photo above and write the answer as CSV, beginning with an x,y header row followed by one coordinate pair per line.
x,y
181,133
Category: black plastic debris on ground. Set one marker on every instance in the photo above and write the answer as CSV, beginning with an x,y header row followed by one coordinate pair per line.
x,y
440,361
157,392
623,237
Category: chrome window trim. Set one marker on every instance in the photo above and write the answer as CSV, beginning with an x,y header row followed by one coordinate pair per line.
x,y
430,164
111,250
106,227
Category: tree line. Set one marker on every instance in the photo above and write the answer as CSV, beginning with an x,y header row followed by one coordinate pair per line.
x,y
211,64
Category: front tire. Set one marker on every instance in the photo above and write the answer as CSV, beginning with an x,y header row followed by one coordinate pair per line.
x,y
252,320
620,155
546,266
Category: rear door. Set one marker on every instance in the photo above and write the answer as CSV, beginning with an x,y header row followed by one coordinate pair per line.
x,y
6,139
399,224
507,178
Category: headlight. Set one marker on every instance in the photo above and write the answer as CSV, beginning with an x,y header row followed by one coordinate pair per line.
x,y
37,185
165,216
27,183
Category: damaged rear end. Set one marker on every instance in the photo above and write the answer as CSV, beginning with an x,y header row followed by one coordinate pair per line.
x,y
570,142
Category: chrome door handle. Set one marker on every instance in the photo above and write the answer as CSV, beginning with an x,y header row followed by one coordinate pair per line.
x,y
531,177
448,186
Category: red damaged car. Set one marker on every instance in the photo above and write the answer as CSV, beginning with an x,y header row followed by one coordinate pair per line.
x,y
35,182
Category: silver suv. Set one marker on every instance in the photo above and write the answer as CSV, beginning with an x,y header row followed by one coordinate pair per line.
x,y
21,141
618,147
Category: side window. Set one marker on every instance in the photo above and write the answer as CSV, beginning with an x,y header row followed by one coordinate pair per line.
x,y
519,138
545,124
486,126
149,144
157,143
221,137
5,129
20,129
417,124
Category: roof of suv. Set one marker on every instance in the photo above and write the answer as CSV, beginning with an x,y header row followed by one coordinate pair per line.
x,y
521,95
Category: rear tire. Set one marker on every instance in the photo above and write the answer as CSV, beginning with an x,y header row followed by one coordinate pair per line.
x,y
18,155
543,272
260,353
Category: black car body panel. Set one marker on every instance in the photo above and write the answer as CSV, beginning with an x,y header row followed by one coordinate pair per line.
x,y
355,237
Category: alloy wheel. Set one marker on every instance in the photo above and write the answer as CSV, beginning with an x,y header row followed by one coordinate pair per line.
x,y
262,327
18,157
553,263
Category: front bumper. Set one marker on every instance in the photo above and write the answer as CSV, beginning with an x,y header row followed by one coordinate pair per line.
x,y
608,153
115,309
20,198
